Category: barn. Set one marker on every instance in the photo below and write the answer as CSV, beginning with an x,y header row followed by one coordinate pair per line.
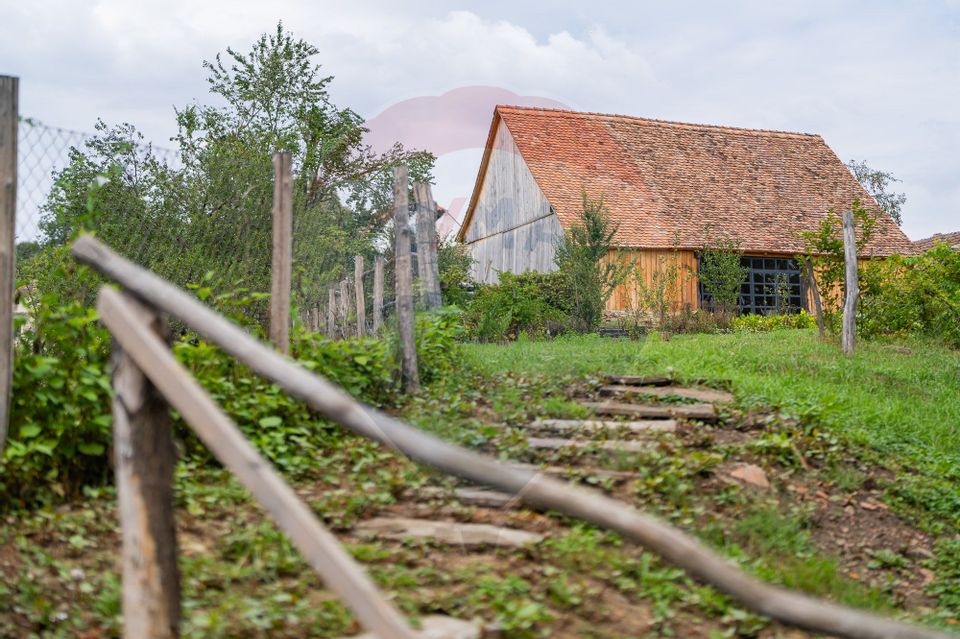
x,y
671,187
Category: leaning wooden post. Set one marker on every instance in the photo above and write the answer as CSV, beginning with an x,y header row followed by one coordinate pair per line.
x,y
377,294
401,224
332,313
358,292
145,456
344,308
427,245
815,294
848,336
9,115
282,251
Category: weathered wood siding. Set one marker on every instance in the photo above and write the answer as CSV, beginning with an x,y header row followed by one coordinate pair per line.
x,y
648,261
513,227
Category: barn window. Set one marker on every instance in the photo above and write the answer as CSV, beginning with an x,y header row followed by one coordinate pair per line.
x,y
773,285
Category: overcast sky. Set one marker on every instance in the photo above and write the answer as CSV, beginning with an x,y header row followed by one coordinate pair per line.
x,y
880,81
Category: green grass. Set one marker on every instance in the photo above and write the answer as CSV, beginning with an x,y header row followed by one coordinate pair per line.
x,y
902,399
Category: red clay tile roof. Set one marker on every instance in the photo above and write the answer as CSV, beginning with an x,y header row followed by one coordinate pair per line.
x,y
665,180
952,239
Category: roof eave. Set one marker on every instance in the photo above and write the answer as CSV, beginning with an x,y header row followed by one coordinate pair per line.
x,y
481,173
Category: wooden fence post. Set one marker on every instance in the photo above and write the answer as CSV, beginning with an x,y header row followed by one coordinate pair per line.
x,y
145,457
815,294
848,335
427,246
358,292
377,294
282,251
344,308
9,115
332,313
401,224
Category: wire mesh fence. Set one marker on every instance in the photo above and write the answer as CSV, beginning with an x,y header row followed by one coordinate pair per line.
x,y
208,230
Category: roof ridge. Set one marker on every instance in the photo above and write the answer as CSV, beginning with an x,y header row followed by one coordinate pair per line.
x,y
569,113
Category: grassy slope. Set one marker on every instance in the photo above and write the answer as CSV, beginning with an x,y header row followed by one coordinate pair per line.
x,y
899,399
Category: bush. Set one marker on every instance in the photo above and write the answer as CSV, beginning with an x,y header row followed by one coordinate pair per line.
x,y
60,413
454,263
699,321
62,419
531,303
766,323
917,295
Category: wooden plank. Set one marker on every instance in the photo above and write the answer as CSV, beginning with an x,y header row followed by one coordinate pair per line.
x,y
595,425
440,627
445,532
428,267
144,457
9,119
332,313
616,445
405,319
529,485
852,292
318,546
358,293
700,412
699,394
282,251
377,294
638,380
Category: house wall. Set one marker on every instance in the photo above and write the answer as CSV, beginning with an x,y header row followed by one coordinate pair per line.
x,y
646,263
513,227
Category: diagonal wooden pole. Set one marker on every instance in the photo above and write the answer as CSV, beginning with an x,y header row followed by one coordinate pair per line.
x,y
319,547
333,403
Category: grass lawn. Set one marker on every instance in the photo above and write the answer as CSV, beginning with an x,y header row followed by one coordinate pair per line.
x,y
898,398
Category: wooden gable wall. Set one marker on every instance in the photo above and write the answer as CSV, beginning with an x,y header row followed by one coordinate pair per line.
x,y
513,227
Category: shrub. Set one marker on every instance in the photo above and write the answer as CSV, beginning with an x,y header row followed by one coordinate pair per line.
x,y
583,258
914,295
766,323
699,321
531,303
721,273
61,397
60,413
454,262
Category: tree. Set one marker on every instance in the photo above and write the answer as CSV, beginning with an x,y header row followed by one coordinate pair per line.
x,y
721,273
209,208
583,257
877,184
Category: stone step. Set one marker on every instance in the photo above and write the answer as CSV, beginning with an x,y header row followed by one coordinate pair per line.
x,y
439,627
701,412
482,497
557,443
699,394
600,425
638,380
445,532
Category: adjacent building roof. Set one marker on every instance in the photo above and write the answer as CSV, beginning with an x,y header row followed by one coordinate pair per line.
x,y
674,184
951,239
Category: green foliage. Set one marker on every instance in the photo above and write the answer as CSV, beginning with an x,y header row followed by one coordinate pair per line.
x,y
825,244
721,273
60,417
765,323
211,211
532,303
454,262
583,258
918,295
877,184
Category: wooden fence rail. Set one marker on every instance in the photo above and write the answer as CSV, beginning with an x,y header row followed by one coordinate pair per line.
x,y
531,487
319,547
